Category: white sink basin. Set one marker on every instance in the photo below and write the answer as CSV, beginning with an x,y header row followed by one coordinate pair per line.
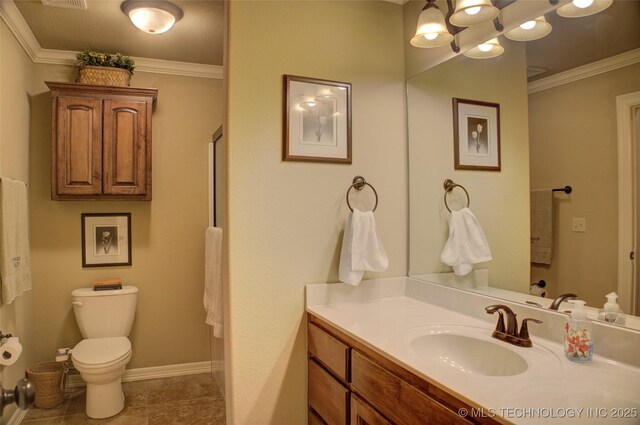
x,y
468,354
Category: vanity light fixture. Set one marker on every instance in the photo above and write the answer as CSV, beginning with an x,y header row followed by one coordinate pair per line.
x,y
152,17
431,30
486,50
530,30
580,8
471,12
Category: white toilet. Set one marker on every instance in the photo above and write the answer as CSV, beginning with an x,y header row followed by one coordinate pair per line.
x,y
105,319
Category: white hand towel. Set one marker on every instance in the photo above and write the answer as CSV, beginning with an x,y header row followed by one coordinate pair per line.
x,y
15,271
362,249
541,226
213,280
467,244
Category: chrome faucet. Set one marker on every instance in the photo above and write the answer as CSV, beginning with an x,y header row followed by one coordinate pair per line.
x,y
509,333
556,303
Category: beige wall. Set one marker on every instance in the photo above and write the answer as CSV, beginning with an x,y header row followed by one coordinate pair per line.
x,y
286,218
167,233
15,86
574,142
500,200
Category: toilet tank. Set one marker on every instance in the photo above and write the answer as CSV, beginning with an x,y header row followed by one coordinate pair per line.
x,y
102,314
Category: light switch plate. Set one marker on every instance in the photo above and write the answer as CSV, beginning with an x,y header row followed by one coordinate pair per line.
x,y
579,225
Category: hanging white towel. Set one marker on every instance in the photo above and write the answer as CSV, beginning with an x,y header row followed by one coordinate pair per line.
x,y
213,280
362,249
467,244
541,226
15,271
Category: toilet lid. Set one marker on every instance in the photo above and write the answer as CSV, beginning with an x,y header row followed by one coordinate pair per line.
x,y
101,350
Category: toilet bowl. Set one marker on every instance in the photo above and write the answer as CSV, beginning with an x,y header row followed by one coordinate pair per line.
x,y
101,363
104,319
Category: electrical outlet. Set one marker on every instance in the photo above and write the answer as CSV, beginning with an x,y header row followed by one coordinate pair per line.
x,y
579,225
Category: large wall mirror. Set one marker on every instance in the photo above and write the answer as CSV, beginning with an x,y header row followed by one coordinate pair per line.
x,y
558,126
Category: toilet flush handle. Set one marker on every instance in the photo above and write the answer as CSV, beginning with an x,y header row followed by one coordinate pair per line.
x,y
78,303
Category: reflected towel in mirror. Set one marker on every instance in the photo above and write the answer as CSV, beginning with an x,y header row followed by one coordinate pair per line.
x,y
541,226
467,244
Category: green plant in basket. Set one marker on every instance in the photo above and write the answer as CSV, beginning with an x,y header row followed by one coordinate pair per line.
x,y
113,60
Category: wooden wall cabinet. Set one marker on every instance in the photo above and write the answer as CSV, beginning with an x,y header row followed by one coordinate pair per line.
x,y
350,384
100,142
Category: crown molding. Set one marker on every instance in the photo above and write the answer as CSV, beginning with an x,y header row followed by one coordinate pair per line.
x,y
614,62
20,29
13,18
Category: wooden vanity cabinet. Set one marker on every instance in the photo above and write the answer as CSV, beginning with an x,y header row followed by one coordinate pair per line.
x,y
100,142
350,384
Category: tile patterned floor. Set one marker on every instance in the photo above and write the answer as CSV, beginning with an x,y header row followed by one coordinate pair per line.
x,y
181,400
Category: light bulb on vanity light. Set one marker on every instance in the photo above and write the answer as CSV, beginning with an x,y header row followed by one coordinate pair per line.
x,y
580,8
471,12
431,30
486,50
530,30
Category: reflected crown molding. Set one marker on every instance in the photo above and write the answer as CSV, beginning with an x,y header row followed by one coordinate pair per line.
x,y
20,29
614,62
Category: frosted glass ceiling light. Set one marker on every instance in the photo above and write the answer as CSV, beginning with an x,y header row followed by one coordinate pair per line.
x,y
486,50
431,30
470,12
530,30
580,8
152,17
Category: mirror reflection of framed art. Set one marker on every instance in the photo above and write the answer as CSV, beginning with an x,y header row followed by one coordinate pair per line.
x,y
476,135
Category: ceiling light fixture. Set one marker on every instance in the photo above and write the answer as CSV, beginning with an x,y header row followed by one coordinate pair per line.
x,y
471,12
580,8
530,30
152,17
486,50
431,30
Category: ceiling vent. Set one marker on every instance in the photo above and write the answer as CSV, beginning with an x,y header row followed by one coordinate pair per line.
x,y
68,4
532,71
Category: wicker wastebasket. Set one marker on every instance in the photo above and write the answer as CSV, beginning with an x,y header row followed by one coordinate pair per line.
x,y
47,378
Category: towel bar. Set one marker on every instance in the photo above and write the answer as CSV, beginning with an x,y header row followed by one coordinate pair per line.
x,y
359,182
449,185
566,189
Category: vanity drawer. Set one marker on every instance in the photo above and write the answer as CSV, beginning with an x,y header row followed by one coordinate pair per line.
x,y
398,400
329,351
314,419
363,414
327,396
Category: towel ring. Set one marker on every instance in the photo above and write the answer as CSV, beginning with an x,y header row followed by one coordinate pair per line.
x,y
449,185
359,182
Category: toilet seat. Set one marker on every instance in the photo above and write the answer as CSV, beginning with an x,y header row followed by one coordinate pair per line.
x,y
101,352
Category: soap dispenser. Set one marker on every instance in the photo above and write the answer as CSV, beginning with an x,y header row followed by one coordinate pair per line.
x,y
611,312
578,346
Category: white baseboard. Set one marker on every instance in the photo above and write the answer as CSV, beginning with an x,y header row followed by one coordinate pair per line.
x,y
155,372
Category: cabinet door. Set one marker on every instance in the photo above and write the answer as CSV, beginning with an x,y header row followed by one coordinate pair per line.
x,y
77,147
126,150
363,414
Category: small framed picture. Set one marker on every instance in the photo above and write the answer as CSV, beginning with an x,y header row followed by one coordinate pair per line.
x,y
476,135
317,120
106,239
